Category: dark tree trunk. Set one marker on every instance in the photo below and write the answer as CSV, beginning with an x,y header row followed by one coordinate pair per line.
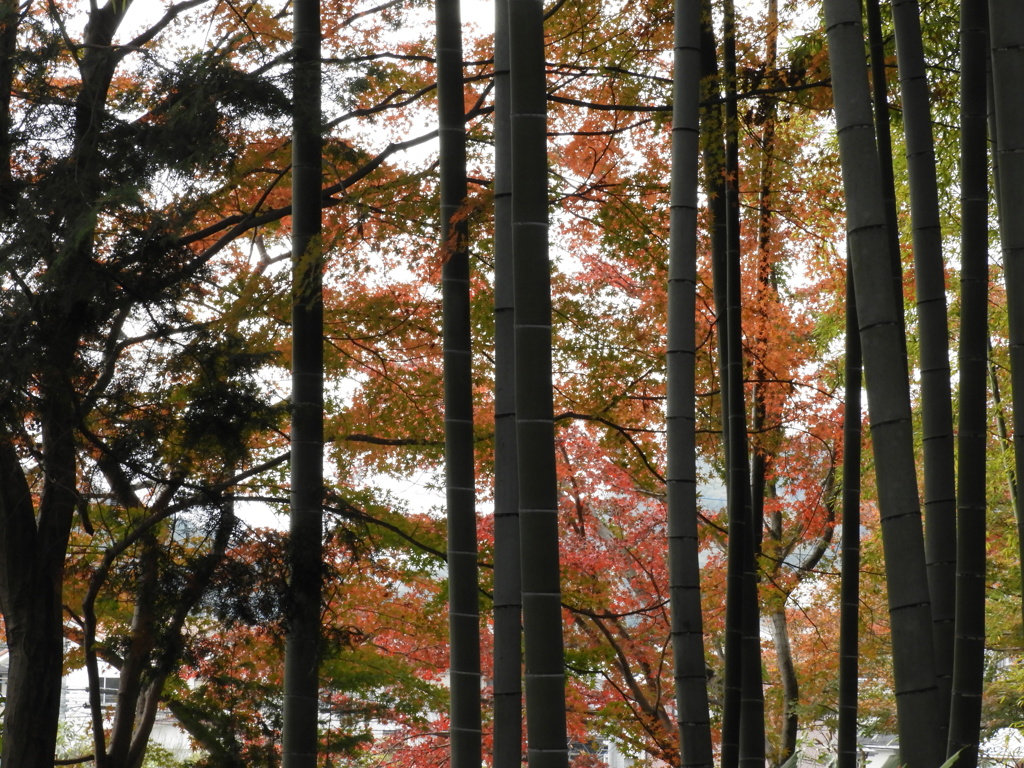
x,y
1002,431
508,609
933,332
465,739
883,133
156,637
743,641
1002,427
715,175
713,163
302,649
30,588
969,655
849,612
888,392
683,543
34,537
538,490
1006,29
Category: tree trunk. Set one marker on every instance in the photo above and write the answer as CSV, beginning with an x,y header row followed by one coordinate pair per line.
x,y
849,613
465,741
743,664
1007,455
508,608
34,540
1002,431
135,663
790,683
681,478
933,331
301,675
1006,29
883,133
761,485
888,393
33,546
156,638
538,491
30,581
713,162
850,588
969,655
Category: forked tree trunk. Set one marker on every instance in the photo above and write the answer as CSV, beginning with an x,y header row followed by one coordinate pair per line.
x,y
538,492
508,608
154,650
465,740
32,563
692,709
888,392
302,646
969,655
790,684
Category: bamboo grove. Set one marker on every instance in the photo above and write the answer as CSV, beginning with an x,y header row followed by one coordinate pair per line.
x,y
384,387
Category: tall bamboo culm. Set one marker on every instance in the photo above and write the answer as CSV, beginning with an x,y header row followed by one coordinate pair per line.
x,y
465,739
888,392
743,642
683,544
969,648
508,608
1006,30
301,675
849,612
544,676
933,335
